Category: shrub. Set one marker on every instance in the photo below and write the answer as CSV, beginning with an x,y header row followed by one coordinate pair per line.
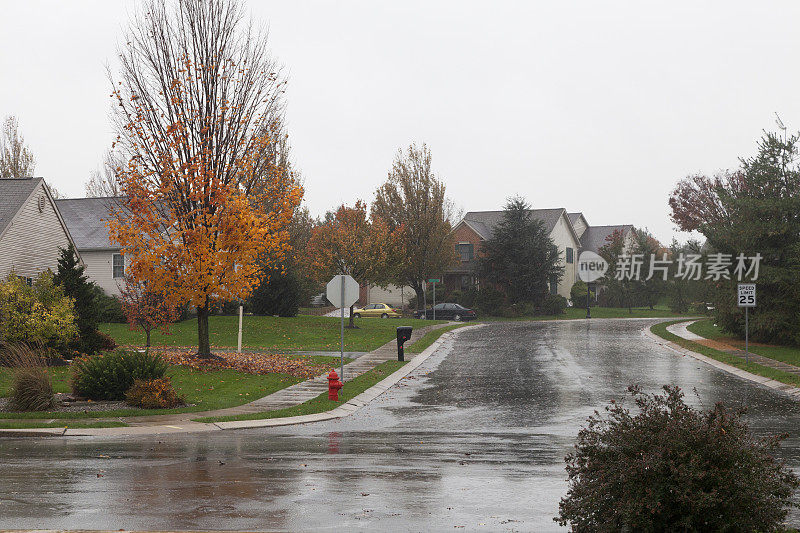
x,y
673,468
552,304
489,301
109,308
153,394
109,376
578,295
39,314
31,389
278,294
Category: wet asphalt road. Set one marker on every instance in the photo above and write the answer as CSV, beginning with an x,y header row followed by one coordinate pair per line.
x,y
474,438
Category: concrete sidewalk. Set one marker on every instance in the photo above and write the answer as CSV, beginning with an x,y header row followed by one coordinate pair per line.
x,y
288,397
681,331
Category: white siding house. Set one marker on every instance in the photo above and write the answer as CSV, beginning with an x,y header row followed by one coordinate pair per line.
x,y
31,228
86,219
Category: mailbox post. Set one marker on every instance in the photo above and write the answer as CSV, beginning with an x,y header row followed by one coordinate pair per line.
x,y
403,334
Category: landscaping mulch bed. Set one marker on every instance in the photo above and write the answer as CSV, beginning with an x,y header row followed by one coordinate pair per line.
x,y
65,404
247,362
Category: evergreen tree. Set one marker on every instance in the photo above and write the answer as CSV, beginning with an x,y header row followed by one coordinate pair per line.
x,y
753,210
69,275
521,257
278,294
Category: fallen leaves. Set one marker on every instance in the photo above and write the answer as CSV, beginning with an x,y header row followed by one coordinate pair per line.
x,y
249,363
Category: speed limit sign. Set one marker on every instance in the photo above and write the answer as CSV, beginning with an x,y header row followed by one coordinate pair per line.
x,y
746,296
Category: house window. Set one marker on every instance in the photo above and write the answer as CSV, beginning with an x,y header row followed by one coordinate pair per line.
x,y
466,251
569,255
117,266
554,285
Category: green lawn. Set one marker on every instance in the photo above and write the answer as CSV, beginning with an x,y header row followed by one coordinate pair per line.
x,y
787,354
274,333
321,403
660,329
207,390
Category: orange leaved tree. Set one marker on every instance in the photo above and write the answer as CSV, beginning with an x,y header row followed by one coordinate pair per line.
x,y
348,242
198,118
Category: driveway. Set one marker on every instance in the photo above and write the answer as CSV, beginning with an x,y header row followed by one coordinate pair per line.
x,y
475,437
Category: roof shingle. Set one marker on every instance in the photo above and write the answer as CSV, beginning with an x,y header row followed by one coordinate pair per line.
x,y
86,220
484,222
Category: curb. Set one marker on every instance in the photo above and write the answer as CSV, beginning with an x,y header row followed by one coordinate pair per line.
x,y
342,411
792,391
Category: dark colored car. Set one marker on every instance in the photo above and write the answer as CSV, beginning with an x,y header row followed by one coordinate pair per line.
x,y
447,312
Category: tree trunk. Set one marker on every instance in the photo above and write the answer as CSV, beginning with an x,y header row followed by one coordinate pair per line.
x,y
352,325
147,344
420,296
203,345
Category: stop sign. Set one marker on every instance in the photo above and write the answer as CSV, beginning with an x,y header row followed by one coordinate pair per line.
x,y
341,298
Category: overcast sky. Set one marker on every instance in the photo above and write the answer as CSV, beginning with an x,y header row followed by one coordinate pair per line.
x,y
593,106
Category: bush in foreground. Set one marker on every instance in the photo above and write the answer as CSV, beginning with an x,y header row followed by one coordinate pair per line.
x,y
31,389
153,394
673,468
110,375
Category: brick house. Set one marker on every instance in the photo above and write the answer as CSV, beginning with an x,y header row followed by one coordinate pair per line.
x,y
570,232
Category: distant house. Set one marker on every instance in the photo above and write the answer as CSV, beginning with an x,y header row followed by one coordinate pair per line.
x,y
595,237
31,228
86,219
478,226
570,232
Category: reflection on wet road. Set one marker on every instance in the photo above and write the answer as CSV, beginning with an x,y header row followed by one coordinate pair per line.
x,y
475,438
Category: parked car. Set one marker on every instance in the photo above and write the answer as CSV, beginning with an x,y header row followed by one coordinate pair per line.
x,y
375,310
447,312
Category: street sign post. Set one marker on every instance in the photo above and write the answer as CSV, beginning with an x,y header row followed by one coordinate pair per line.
x,y
746,297
434,281
342,291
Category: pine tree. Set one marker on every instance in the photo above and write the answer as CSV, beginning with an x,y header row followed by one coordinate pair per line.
x,y
521,257
70,276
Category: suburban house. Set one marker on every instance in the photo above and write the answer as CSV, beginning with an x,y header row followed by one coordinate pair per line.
x,y
570,232
478,226
86,220
31,228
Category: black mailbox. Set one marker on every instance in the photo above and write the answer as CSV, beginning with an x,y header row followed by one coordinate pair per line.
x,y
403,334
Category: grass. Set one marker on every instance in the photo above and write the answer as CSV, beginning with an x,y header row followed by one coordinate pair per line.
x,y
660,329
62,424
274,333
321,403
429,338
787,354
206,390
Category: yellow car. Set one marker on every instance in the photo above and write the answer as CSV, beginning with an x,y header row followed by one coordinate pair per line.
x,y
375,310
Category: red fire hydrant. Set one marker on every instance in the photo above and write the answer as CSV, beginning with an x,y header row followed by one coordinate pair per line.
x,y
333,386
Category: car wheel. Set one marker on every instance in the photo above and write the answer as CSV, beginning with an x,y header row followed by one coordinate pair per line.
x,y
384,315
356,315
457,318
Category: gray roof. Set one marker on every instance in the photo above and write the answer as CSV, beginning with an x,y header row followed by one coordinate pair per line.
x,y
86,220
573,217
484,222
594,237
13,193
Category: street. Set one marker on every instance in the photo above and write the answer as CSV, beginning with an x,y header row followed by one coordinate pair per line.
x,y
474,438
